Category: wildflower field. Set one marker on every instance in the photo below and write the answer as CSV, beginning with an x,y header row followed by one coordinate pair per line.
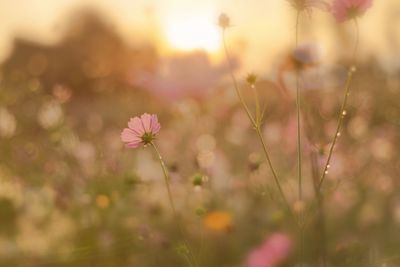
x,y
259,133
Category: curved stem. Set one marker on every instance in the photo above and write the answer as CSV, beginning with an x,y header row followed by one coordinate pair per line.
x,y
320,208
274,174
298,105
257,128
299,158
297,26
258,109
166,179
357,29
235,83
191,260
342,109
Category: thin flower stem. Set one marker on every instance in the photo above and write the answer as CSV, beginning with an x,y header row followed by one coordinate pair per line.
x,y
309,133
274,174
191,260
257,128
301,230
258,109
299,154
297,26
342,113
320,208
298,105
357,39
299,159
200,254
235,83
166,179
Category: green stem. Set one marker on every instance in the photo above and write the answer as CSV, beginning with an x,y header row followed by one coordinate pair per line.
x,y
299,156
274,174
258,110
257,128
191,260
235,83
343,112
166,179
357,39
200,254
320,208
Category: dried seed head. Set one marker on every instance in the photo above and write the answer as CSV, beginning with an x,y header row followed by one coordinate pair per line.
x,y
251,78
224,21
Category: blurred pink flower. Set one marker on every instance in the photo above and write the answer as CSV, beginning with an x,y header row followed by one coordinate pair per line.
x,y
349,9
307,5
271,253
141,130
178,76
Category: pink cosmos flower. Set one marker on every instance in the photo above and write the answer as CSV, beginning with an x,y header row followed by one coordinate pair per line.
x,y
181,76
141,130
349,9
271,253
307,5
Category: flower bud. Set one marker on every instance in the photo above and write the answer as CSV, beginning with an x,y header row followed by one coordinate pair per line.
x,y
251,78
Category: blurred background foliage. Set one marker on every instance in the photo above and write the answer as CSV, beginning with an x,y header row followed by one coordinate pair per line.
x,y
71,195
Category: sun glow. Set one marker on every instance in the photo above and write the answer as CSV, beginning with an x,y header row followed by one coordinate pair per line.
x,y
193,33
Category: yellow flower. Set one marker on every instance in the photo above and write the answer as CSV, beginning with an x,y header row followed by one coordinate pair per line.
x,y
102,201
218,221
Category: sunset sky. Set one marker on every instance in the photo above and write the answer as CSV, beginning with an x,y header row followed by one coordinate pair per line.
x,y
260,26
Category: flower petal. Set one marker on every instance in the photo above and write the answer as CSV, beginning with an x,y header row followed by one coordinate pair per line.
x,y
128,136
135,124
364,5
133,144
146,122
155,125
339,10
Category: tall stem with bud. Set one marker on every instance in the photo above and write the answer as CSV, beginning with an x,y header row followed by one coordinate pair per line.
x,y
318,183
298,106
343,111
256,122
299,154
